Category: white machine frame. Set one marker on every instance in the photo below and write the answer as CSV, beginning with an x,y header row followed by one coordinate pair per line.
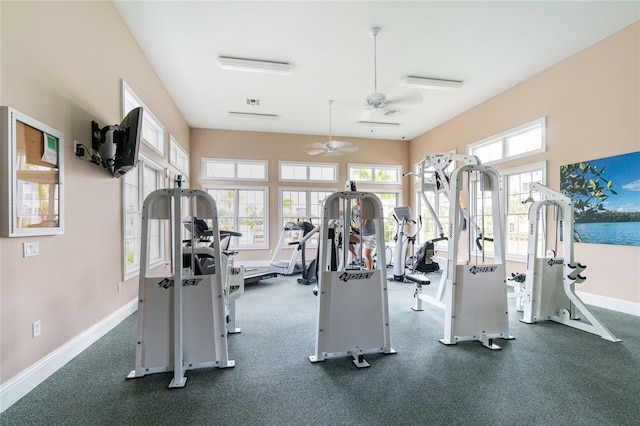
x,y
294,264
432,172
548,292
182,317
353,310
475,296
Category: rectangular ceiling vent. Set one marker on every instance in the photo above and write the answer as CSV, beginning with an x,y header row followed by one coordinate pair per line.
x,y
253,115
378,123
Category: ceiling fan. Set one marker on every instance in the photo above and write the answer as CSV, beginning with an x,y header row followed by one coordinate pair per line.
x,y
378,100
331,147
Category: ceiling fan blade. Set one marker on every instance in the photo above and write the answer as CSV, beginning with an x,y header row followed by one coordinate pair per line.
x,y
315,145
334,144
315,151
406,98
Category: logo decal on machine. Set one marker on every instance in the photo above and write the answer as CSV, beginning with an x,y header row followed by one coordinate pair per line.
x,y
480,269
552,262
358,276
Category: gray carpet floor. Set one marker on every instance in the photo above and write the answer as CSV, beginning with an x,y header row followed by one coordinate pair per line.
x,y
549,375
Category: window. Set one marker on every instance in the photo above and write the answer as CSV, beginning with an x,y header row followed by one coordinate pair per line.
x,y
178,157
303,204
430,230
389,200
230,169
528,139
517,183
300,203
371,173
243,210
309,172
152,129
137,184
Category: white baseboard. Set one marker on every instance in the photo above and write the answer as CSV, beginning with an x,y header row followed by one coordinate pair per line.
x,y
23,383
617,305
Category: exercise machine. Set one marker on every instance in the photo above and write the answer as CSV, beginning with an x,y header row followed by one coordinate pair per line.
x,y
404,219
291,236
548,291
353,310
182,314
434,173
310,270
476,294
201,232
472,294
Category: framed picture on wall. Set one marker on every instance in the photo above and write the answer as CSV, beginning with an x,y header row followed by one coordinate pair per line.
x,y
606,198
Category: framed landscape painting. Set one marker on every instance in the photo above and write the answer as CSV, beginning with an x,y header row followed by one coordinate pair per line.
x,y
606,197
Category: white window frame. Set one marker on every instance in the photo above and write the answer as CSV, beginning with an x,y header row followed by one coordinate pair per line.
x,y
233,162
178,157
308,167
424,236
236,219
313,241
374,168
130,101
502,139
130,271
398,194
528,168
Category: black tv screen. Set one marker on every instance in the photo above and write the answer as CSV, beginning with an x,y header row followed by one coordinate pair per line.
x,y
127,141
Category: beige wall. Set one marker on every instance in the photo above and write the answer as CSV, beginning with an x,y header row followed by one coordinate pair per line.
x,y
62,63
592,105
275,147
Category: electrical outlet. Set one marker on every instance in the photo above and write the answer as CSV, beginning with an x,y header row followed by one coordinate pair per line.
x,y
36,328
78,148
120,287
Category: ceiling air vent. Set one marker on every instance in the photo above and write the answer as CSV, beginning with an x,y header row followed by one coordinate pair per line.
x,y
253,115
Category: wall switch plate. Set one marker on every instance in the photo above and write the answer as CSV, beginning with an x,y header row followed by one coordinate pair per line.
x,y
36,328
30,249
120,287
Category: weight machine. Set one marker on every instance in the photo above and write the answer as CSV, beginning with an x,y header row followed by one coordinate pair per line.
x,y
434,173
353,310
473,295
182,317
548,291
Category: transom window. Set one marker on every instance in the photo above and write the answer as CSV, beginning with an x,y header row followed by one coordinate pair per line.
x,y
230,169
373,173
528,139
310,172
178,157
152,129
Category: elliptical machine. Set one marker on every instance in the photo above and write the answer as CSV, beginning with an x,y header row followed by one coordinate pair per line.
x,y
403,219
310,270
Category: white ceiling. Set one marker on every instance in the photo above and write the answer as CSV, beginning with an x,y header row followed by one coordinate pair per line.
x,y
491,46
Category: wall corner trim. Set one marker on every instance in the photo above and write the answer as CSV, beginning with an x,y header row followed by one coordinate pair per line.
x,y
24,382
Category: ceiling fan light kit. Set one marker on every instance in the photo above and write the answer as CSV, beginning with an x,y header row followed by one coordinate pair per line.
x,y
432,83
254,65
